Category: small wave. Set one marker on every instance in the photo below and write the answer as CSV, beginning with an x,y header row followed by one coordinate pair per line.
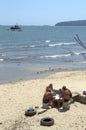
x,y
32,46
69,43
78,53
61,44
1,60
55,56
39,45
83,62
83,52
47,45
17,58
52,45
47,41
35,46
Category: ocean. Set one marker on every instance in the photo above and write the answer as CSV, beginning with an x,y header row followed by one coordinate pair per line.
x,y
38,51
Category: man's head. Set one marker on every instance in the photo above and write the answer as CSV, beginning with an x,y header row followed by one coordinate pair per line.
x,y
64,88
51,86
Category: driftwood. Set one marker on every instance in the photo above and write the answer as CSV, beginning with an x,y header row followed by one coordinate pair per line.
x,y
79,41
81,44
79,98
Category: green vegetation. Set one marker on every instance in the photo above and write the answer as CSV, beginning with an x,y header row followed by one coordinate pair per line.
x,y
72,23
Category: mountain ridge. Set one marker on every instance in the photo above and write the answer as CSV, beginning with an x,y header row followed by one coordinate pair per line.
x,y
72,23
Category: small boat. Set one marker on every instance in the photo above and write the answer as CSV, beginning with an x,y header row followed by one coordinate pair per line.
x,y
15,27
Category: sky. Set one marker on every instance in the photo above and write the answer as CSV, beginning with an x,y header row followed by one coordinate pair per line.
x,y
41,12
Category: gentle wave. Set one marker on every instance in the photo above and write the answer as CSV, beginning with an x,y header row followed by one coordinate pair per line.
x,y
23,57
63,55
61,44
17,58
47,44
1,60
53,44
78,53
83,62
55,56
47,41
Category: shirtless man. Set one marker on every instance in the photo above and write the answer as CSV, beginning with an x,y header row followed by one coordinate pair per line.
x,y
50,87
48,97
66,94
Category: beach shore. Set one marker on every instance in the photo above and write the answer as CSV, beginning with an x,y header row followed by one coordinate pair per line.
x,y
16,97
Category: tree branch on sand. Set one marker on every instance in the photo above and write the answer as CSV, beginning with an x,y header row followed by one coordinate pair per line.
x,y
81,44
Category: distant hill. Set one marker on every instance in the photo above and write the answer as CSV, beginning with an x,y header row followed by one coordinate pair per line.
x,y
72,23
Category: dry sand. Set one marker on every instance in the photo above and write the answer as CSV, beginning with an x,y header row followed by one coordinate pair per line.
x,y
16,97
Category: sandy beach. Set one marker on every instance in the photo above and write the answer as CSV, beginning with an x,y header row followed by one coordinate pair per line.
x,y
16,97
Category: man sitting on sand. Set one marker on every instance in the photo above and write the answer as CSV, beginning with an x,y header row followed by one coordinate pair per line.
x,y
48,97
58,100
66,94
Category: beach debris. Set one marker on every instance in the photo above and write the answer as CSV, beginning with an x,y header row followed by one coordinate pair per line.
x,y
82,99
47,121
71,101
36,107
66,106
45,106
0,123
75,96
30,112
79,41
84,92
81,44
79,98
41,110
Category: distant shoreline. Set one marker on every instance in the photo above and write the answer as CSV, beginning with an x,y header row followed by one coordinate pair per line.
x,y
72,23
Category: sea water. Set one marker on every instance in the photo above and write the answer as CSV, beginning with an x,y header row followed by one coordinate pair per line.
x,y
40,50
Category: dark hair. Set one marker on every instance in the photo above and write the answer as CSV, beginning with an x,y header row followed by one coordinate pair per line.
x,y
50,84
60,90
64,87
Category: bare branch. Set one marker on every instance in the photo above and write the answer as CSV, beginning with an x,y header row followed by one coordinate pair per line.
x,y
84,55
81,44
79,41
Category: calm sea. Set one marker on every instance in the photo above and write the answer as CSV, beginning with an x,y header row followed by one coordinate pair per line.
x,y
40,50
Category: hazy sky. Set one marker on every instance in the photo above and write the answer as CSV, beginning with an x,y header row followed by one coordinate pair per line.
x,y
41,12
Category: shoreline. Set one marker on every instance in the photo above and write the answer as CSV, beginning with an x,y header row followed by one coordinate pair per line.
x,y
25,74
16,97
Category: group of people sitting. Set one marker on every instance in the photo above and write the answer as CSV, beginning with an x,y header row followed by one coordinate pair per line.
x,y
49,97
